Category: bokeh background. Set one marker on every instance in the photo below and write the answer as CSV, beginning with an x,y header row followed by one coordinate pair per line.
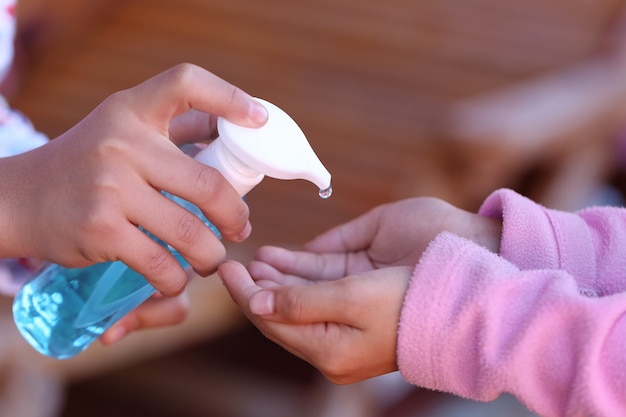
x,y
448,98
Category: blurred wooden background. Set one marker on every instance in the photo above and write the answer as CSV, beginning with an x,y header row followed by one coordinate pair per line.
x,y
451,98
381,91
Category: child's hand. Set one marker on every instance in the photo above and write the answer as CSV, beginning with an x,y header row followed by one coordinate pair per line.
x,y
79,199
337,302
389,235
346,328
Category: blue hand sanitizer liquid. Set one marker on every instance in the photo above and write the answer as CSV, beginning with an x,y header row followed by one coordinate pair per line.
x,y
63,310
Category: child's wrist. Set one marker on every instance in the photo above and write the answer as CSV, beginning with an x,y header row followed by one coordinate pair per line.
x,y
490,234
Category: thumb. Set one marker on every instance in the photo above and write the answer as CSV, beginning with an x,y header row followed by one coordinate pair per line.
x,y
292,304
238,283
303,304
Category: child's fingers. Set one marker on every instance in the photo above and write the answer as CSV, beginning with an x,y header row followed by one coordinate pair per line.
x,y
297,264
325,302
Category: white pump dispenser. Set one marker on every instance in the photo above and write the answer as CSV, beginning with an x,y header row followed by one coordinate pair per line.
x,y
61,311
278,149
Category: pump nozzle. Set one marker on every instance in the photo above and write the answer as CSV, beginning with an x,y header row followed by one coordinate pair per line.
x,y
279,149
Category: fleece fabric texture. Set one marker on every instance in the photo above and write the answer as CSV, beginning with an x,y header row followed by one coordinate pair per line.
x,y
543,320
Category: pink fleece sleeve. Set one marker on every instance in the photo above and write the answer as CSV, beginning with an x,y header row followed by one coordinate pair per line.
x,y
477,324
589,244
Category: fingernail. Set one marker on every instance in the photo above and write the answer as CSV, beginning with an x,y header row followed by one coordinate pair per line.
x,y
116,334
262,303
245,233
258,113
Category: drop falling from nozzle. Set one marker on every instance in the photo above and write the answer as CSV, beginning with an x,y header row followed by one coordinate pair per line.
x,y
327,192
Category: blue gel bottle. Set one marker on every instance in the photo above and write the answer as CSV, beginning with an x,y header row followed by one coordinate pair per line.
x,y
61,311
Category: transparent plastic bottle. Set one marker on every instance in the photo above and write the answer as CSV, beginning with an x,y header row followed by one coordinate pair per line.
x,y
64,310
61,311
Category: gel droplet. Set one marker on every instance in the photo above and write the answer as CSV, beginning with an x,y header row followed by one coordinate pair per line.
x,y
326,192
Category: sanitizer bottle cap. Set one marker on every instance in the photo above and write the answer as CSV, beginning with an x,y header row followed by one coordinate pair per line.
x,y
278,149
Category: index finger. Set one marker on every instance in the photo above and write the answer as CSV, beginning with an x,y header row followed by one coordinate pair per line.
x,y
187,86
297,267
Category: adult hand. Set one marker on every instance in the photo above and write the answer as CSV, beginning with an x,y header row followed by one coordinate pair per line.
x,y
79,199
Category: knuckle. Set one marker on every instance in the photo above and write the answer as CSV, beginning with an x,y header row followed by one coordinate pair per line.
x,y
293,308
209,184
181,75
113,105
106,155
160,263
188,228
113,100
158,260
96,220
